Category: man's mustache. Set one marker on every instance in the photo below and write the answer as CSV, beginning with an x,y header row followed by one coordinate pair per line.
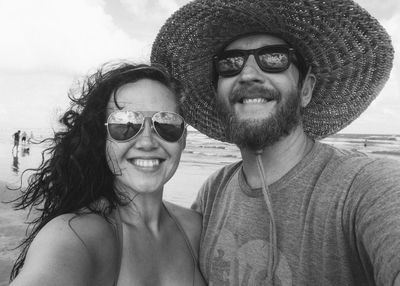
x,y
254,91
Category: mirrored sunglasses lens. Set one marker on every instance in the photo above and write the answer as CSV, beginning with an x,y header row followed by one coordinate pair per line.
x,y
276,60
122,132
169,132
123,125
170,126
230,65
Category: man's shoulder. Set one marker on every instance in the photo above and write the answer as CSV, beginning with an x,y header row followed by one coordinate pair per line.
x,y
379,169
219,177
225,171
216,181
358,164
214,185
343,157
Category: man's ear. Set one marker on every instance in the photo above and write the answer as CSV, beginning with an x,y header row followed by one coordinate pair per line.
x,y
307,89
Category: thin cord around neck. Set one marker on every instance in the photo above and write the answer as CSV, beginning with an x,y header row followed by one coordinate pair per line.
x,y
273,247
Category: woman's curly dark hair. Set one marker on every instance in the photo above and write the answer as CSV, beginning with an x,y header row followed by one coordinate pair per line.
x,y
76,174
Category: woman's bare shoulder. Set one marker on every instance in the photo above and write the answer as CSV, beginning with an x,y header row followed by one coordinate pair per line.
x,y
96,233
71,246
85,228
89,227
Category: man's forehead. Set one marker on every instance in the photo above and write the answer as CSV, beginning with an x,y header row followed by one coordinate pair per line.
x,y
247,42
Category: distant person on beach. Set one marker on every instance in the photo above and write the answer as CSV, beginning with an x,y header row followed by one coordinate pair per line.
x,y
274,77
102,219
23,138
16,139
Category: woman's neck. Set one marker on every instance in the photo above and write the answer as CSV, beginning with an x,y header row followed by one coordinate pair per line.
x,y
143,209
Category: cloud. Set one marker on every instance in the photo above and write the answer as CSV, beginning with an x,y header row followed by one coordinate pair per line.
x,y
392,25
385,108
61,36
155,9
142,19
382,115
380,9
30,99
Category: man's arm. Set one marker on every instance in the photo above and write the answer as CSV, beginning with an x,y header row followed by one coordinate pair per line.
x,y
397,281
377,220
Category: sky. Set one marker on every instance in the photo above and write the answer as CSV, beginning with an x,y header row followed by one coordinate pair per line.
x,y
46,45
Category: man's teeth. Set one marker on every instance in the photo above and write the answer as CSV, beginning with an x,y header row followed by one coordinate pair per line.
x,y
146,163
254,100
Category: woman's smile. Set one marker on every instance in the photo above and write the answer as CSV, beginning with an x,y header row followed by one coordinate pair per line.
x,y
146,163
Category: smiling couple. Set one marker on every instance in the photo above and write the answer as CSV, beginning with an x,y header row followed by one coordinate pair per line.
x,y
270,76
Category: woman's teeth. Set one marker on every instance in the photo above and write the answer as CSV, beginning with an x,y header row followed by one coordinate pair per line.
x,y
146,163
254,100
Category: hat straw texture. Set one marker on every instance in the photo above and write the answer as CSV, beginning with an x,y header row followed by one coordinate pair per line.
x,y
349,52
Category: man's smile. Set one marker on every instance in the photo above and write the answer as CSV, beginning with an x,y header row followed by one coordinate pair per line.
x,y
253,100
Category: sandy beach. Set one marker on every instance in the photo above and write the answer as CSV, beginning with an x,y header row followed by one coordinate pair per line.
x,y
201,158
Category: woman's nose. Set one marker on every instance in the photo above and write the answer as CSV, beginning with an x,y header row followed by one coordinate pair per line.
x,y
146,139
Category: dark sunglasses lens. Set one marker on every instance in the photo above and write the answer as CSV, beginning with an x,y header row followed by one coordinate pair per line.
x,y
274,60
170,126
230,64
169,132
122,132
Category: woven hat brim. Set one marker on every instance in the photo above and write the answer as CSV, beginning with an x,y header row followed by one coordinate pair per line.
x,y
349,52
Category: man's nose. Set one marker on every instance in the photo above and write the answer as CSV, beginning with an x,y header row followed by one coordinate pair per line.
x,y
251,71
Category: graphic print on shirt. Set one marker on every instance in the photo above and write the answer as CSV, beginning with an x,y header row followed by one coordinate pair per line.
x,y
244,264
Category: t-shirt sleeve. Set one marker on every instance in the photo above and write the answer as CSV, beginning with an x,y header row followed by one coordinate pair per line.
x,y
377,218
211,187
198,204
210,184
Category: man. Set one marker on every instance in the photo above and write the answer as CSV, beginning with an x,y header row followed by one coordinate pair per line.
x,y
273,77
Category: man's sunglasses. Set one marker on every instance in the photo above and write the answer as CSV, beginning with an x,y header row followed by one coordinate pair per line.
x,y
272,59
123,125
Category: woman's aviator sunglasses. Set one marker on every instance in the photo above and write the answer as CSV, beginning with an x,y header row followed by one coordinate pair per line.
x,y
123,125
272,59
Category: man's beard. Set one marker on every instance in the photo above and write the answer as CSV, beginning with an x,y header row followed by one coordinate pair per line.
x,y
256,134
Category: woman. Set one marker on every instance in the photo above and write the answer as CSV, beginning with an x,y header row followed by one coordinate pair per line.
x,y
102,218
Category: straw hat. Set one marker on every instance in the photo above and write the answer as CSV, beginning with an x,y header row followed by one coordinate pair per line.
x,y
348,50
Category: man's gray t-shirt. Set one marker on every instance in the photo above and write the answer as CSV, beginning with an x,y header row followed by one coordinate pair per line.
x,y
337,215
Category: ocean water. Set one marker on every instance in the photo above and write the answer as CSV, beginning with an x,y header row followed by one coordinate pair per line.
x,y
202,157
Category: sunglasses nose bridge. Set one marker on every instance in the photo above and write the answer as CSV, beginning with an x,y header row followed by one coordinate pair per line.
x,y
251,69
250,59
145,140
148,127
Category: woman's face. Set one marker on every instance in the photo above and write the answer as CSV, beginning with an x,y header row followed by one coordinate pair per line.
x,y
146,162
